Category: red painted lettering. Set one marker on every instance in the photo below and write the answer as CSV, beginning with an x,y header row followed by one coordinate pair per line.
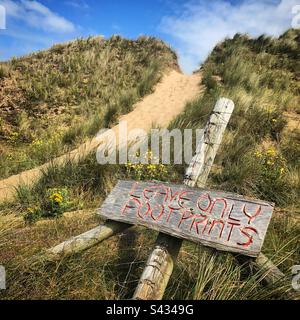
x,y
216,222
202,197
251,217
185,216
232,224
195,222
224,206
230,215
161,210
128,206
248,236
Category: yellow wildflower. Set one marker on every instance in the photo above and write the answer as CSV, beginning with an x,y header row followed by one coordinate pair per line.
x,y
271,152
30,210
258,154
56,197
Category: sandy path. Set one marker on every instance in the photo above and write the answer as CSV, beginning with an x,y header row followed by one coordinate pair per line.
x,y
162,106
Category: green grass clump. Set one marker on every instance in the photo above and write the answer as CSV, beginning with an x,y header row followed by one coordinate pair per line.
x,y
54,203
73,90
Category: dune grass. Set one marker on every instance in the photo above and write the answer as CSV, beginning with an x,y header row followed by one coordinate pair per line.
x,y
258,158
54,100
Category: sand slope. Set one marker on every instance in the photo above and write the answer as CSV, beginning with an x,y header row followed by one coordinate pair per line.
x,y
162,106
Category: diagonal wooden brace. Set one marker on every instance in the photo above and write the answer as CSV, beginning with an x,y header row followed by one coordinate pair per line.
x,y
83,241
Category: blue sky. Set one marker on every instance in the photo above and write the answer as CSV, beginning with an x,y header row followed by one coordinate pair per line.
x,y
191,27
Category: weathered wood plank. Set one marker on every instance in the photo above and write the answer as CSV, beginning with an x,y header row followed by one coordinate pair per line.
x,y
221,220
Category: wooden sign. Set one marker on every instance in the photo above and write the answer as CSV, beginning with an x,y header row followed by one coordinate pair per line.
x,y
221,220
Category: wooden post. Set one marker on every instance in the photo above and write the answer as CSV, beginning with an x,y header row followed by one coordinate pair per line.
x,y
263,263
272,274
160,264
83,241
200,166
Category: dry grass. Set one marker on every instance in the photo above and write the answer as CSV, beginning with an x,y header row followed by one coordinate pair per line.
x,y
111,270
261,77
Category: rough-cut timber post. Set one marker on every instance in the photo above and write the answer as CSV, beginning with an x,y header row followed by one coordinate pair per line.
x,y
200,166
84,241
272,273
159,267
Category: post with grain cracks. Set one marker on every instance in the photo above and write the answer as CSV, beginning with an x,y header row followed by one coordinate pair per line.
x,y
81,242
160,264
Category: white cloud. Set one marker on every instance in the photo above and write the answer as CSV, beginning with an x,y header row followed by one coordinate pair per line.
x,y
36,15
202,24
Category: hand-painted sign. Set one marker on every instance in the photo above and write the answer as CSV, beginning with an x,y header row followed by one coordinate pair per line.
x,y
217,219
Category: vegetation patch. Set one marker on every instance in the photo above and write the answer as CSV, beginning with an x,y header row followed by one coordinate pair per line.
x,y
53,100
258,158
